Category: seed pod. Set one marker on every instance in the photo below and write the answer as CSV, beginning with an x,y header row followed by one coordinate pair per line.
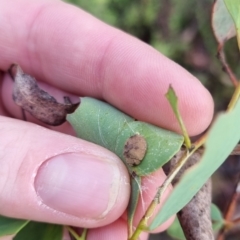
x,y
134,150
37,102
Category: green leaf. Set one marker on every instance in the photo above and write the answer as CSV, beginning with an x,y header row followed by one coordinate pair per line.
x,y
40,231
10,226
162,145
222,22
100,123
175,231
216,214
223,137
233,7
74,234
132,205
217,218
173,100
216,226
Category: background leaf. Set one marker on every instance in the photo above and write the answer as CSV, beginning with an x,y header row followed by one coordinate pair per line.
x,y
40,231
175,231
219,145
216,214
233,7
222,22
10,226
217,219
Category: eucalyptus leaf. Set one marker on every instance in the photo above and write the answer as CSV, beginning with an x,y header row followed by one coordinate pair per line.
x,y
216,214
162,145
132,205
100,123
222,22
233,7
10,226
175,231
40,231
217,218
173,100
222,138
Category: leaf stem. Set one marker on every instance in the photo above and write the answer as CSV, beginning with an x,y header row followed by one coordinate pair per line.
x,y
187,140
143,223
84,234
228,216
75,235
226,68
237,221
234,98
72,232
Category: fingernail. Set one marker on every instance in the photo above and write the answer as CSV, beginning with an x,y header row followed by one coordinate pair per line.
x,y
81,185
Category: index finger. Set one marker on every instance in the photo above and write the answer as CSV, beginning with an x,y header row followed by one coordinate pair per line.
x,y
69,49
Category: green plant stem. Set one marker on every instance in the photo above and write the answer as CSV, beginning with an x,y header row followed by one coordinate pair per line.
x,y
84,235
72,232
142,226
75,235
238,40
187,140
130,229
234,98
226,67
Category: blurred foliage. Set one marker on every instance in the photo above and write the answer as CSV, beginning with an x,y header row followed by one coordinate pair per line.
x,y
180,30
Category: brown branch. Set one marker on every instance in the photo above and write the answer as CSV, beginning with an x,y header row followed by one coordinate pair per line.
x,y
231,209
195,217
221,235
236,221
236,150
226,67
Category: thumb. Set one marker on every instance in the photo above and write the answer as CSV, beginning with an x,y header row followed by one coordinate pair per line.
x,y
51,177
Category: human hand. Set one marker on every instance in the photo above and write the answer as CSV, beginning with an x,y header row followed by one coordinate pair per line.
x,y
69,50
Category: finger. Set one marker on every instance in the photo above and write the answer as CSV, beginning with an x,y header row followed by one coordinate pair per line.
x,y
6,238
51,177
116,230
70,49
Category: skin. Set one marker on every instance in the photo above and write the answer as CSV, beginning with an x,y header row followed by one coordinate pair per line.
x,y
72,53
